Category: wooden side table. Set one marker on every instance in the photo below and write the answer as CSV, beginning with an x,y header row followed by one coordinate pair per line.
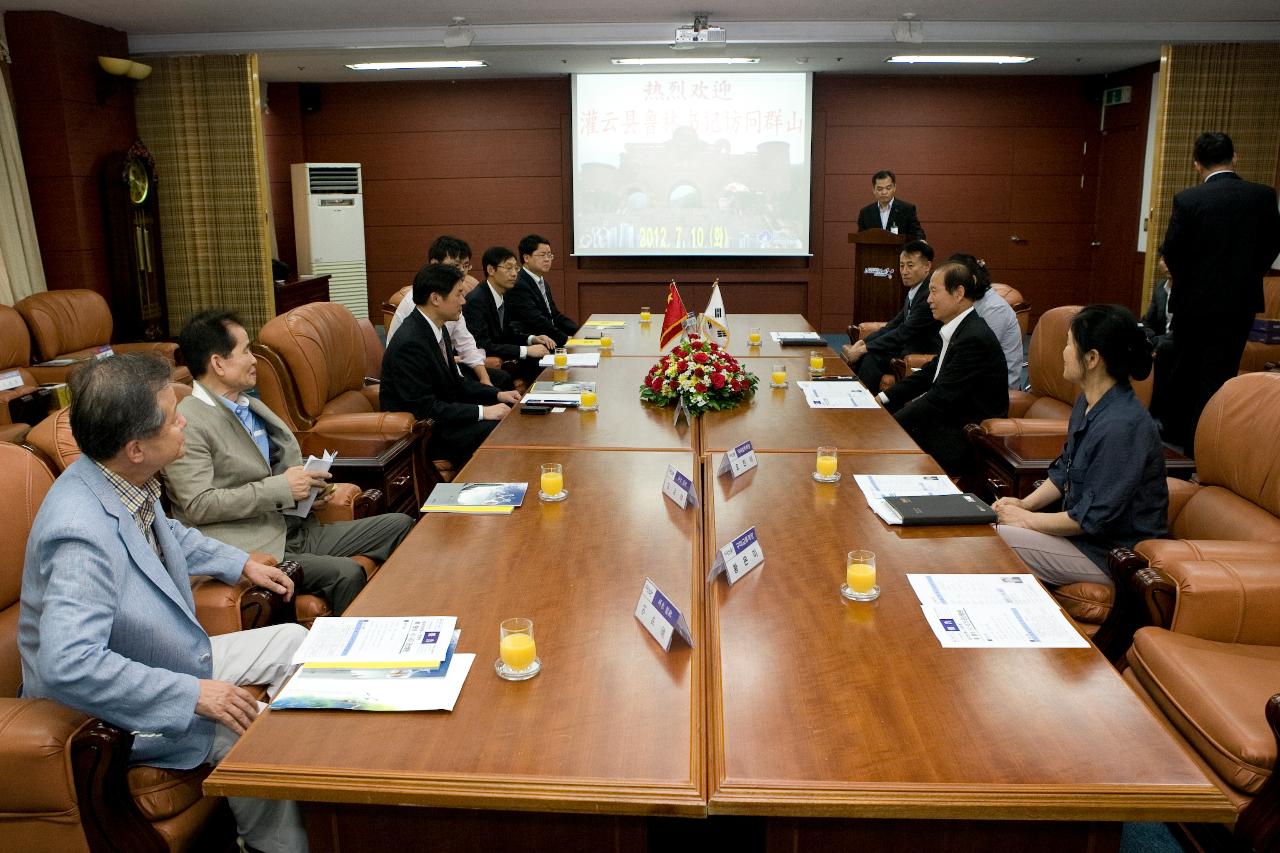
x,y
393,466
1011,465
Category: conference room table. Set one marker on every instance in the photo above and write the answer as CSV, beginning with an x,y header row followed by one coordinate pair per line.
x,y
642,339
798,721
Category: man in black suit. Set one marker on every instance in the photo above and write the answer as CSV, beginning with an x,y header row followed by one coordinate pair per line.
x,y
486,314
1222,238
530,308
419,374
913,330
965,384
887,212
1157,322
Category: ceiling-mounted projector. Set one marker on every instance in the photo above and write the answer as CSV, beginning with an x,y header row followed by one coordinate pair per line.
x,y
700,34
458,34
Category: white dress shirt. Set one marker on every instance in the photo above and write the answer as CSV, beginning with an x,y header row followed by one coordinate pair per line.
x,y
885,210
435,331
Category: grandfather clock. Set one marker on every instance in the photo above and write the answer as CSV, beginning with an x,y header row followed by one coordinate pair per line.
x,y
132,219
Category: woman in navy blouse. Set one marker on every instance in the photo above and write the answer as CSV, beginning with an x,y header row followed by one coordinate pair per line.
x,y
1110,477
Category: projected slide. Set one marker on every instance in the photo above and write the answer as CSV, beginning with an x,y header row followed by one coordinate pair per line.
x,y
691,164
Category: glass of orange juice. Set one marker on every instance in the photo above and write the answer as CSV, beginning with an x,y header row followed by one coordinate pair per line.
x,y
561,357
817,364
753,336
606,342
860,577
778,376
825,466
644,314
589,402
552,482
517,653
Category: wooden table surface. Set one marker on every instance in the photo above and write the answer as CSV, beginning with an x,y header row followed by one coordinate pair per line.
x,y
638,338
611,723
623,421
780,419
824,707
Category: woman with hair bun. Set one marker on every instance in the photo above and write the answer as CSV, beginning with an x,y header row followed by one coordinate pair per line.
x,y
1110,477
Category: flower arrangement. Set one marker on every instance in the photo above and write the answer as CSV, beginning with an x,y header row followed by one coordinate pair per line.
x,y
701,372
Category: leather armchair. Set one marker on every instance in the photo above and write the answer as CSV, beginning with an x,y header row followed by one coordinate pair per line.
x,y
1257,355
72,324
15,354
68,785
219,607
373,351
1013,296
393,302
1210,668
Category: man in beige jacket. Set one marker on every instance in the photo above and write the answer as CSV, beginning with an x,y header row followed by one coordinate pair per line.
x,y
243,469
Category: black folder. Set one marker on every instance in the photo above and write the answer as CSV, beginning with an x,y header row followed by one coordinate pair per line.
x,y
942,509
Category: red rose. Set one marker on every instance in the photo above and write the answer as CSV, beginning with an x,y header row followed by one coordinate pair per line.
x,y
701,387
735,385
682,366
717,381
700,357
699,372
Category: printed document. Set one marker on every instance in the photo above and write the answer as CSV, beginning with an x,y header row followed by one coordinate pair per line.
x,y
376,641
993,611
834,394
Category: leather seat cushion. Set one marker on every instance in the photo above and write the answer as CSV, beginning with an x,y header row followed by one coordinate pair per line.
x,y
1215,695
1049,409
162,793
1089,603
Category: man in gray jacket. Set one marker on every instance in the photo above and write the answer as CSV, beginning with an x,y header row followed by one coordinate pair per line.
x,y
243,469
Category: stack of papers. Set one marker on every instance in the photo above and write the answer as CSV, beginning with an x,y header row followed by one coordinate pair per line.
x,y
985,611
576,359
388,663
303,508
877,487
837,394
476,498
583,342
798,339
553,394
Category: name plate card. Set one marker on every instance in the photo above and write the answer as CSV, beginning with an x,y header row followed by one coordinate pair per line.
x,y
738,557
738,461
103,352
660,617
679,488
11,379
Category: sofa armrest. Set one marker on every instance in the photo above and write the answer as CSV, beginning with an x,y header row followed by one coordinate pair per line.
x,y
349,502
865,329
1025,426
1227,600
35,744
1020,402
1160,553
375,424
372,391
223,608
917,360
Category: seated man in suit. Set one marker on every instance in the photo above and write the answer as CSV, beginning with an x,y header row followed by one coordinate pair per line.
x,y
485,313
1000,318
107,623
243,468
531,310
1157,322
965,384
420,376
888,212
913,330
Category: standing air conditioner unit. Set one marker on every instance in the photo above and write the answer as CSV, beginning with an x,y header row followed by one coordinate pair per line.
x,y
328,221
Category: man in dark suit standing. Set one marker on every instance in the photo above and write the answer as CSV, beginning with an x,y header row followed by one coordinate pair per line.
x,y
913,330
888,212
486,314
1222,237
1157,322
530,308
965,384
419,374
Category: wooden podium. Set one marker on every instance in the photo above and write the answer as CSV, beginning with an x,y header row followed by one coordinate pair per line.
x,y
876,294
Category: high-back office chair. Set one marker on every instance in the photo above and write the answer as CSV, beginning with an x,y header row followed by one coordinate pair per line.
x,y
15,355
1258,355
68,785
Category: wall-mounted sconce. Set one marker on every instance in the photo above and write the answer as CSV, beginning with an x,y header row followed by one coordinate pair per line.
x,y
114,67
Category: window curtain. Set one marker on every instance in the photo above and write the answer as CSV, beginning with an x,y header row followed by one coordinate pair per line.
x,y
1230,88
199,116
21,271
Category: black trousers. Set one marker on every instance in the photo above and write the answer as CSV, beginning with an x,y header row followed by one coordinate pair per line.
x,y
457,443
1205,357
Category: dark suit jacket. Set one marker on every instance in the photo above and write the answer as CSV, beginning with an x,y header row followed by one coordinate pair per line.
x,y
416,379
1222,237
492,335
527,314
913,330
902,214
934,407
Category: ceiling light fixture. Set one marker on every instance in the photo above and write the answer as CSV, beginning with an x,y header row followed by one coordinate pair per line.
x,y
918,59
689,60
414,66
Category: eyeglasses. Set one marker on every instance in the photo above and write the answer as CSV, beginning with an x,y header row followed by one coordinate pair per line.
x,y
509,266
547,255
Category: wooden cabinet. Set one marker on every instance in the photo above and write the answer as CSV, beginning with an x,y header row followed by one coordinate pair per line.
x,y
395,467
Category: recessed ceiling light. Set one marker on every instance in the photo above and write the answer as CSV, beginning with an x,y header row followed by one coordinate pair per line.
x,y
689,60
413,66
961,59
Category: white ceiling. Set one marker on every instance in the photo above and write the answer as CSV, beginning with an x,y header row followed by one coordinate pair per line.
x,y
311,40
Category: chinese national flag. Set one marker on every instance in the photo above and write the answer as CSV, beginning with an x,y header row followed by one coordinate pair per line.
x,y
673,321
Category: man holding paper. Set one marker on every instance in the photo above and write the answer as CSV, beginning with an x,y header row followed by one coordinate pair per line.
x,y
243,470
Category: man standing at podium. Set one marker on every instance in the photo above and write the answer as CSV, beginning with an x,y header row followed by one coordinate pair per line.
x,y
888,212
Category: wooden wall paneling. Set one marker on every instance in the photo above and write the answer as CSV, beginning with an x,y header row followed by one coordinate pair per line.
x,y
866,148
513,106
443,202
454,155
1054,151
1052,198
956,198
817,203
284,142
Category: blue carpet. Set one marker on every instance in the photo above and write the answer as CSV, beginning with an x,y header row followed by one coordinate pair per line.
x,y
1148,838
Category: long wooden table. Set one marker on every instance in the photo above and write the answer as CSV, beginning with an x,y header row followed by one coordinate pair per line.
x,y
842,725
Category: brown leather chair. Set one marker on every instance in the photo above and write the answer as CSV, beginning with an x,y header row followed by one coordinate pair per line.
x,y
393,302
1210,668
373,351
1258,355
15,354
219,607
72,324
67,782
1013,296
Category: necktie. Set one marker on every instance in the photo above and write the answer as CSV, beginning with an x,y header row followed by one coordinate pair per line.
x,y
542,288
501,321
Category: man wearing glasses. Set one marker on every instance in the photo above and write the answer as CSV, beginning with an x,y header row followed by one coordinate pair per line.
x,y
530,308
487,317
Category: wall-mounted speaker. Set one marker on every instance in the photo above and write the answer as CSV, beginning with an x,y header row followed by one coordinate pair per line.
x,y
309,97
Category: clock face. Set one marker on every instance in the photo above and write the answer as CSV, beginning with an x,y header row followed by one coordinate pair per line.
x,y
135,175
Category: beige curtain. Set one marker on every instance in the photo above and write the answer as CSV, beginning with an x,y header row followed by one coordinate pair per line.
x,y
1232,88
199,116
21,271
